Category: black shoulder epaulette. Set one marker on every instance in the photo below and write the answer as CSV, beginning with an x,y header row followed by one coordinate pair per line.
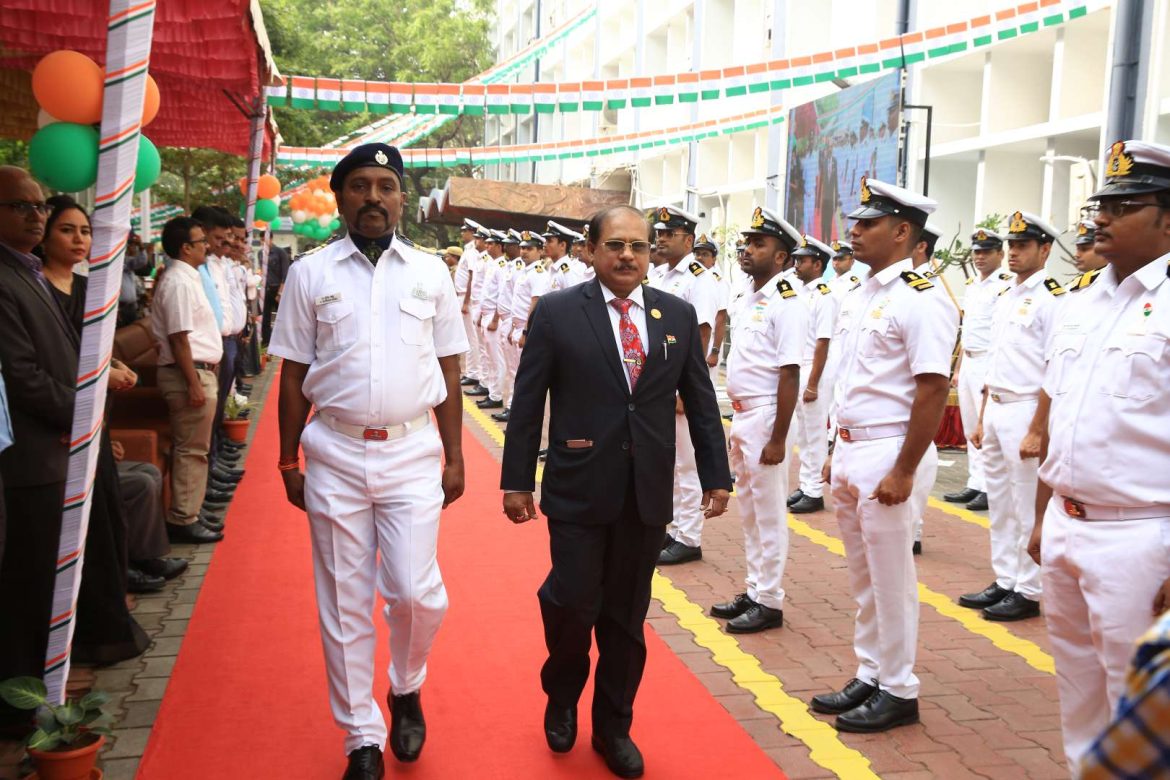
x,y
1005,276
503,262
539,267
563,267
718,278
1053,286
315,249
1001,292
1084,280
785,289
645,280
854,279
823,288
915,281
519,264
407,241
696,267
970,280
929,275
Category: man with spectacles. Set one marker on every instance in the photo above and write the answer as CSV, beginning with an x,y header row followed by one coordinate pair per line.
x,y
1103,503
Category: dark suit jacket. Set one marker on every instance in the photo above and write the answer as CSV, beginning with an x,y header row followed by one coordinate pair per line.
x,y
38,355
571,354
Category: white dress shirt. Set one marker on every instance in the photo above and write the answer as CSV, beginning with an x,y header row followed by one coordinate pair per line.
x,y
637,316
978,308
370,334
566,272
231,293
769,333
692,282
478,265
180,306
530,282
822,314
464,267
1021,328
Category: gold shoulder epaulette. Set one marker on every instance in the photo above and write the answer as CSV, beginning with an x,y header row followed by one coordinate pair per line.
x,y
539,268
929,275
823,288
645,280
718,277
696,267
563,268
854,279
915,281
1084,280
316,249
1053,286
1001,292
1005,276
503,262
970,280
785,289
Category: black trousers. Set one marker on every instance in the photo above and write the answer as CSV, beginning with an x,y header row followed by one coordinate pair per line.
x,y
269,313
599,583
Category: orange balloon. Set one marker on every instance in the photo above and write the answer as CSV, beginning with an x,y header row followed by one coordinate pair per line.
x,y
244,186
68,85
261,224
268,187
151,102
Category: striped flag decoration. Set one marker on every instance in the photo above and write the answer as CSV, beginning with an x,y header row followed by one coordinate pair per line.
x,y
378,97
688,87
664,89
710,84
569,96
846,62
544,97
473,99
329,94
276,93
448,99
757,78
353,95
304,92
592,95
401,97
640,96
520,98
734,81
616,93
426,98
913,48
823,67
497,98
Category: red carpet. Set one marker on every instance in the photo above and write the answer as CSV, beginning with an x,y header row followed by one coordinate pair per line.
x,y
247,698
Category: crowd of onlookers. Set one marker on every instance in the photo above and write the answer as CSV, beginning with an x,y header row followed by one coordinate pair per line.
x,y
200,299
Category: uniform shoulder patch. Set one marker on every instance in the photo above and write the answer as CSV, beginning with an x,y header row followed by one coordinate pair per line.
x,y
539,268
1053,286
645,280
855,280
406,241
718,276
503,262
1084,280
970,280
785,289
563,268
317,249
823,288
696,267
1005,276
929,275
1001,292
915,281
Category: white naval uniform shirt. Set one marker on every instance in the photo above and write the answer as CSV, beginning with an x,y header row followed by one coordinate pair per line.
x,y
464,267
371,335
769,334
504,299
841,285
478,266
978,307
566,272
493,268
1108,370
530,283
1021,327
655,273
822,315
896,333
690,280
181,306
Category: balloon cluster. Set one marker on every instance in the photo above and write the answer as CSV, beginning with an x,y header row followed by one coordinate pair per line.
x,y
314,210
267,199
64,152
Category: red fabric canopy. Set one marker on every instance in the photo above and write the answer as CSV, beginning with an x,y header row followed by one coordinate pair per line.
x,y
202,49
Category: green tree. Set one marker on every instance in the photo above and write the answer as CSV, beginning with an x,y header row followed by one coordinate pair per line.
x,y
193,177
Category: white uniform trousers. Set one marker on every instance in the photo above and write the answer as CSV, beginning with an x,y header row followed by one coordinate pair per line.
x,y
811,433
365,499
882,577
480,343
471,359
511,353
921,490
972,375
1100,579
761,492
496,369
1011,495
688,492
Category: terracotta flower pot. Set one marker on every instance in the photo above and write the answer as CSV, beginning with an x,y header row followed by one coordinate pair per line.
x,y
236,430
75,764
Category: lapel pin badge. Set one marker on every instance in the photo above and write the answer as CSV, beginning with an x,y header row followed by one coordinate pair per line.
x,y
670,339
656,314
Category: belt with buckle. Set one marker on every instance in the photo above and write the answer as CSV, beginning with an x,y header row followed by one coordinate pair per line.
x,y
198,366
871,432
377,433
744,404
1089,512
1013,398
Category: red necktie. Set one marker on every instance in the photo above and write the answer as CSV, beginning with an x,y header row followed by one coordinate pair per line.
x,y
632,353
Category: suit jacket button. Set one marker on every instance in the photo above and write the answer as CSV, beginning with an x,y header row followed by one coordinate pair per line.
x,y
625,445
630,407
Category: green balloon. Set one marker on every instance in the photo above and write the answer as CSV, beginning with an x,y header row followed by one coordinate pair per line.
x,y
336,223
64,156
266,210
149,165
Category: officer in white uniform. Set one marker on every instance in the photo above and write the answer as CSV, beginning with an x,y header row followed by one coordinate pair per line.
x,y
687,278
463,275
763,378
530,284
707,252
1087,258
1021,329
473,303
564,270
489,320
894,381
510,351
812,409
849,276
1103,538
370,331
975,342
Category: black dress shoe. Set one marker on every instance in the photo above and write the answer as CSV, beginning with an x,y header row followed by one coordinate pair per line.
x,y
467,381
1015,606
542,454
988,597
217,497
408,730
196,533
560,727
916,548
757,618
488,403
233,446
243,387
167,568
852,695
243,414
807,504
212,525
138,581
978,504
227,460
676,552
221,486
502,416
365,763
880,712
734,608
795,496
962,496
227,473
477,390
621,755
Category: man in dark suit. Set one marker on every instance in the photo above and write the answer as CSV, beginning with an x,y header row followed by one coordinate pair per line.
x,y
612,353
38,356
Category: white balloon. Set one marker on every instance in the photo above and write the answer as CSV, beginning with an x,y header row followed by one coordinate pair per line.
x,y
300,215
324,220
45,118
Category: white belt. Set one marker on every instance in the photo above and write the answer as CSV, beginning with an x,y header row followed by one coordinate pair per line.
x,y
380,433
1082,511
1012,398
745,404
870,432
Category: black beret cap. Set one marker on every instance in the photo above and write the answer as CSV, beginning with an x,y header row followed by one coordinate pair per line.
x,y
367,156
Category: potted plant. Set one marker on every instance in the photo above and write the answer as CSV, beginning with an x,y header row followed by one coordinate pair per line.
x,y
234,425
68,736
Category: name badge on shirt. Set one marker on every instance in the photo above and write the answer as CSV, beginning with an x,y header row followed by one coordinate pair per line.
x,y
325,300
420,292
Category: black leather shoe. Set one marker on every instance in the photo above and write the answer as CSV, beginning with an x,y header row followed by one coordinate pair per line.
x,y
167,568
467,381
488,403
560,727
542,454
757,618
477,390
196,533
233,446
138,581
1015,606
961,497
243,387
502,416
732,609
978,504
243,414
227,460
807,504
212,525
880,712
852,695
221,486
916,548
676,552
227,473
621,755
988,597
365,763
408,730
217,497
795,496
